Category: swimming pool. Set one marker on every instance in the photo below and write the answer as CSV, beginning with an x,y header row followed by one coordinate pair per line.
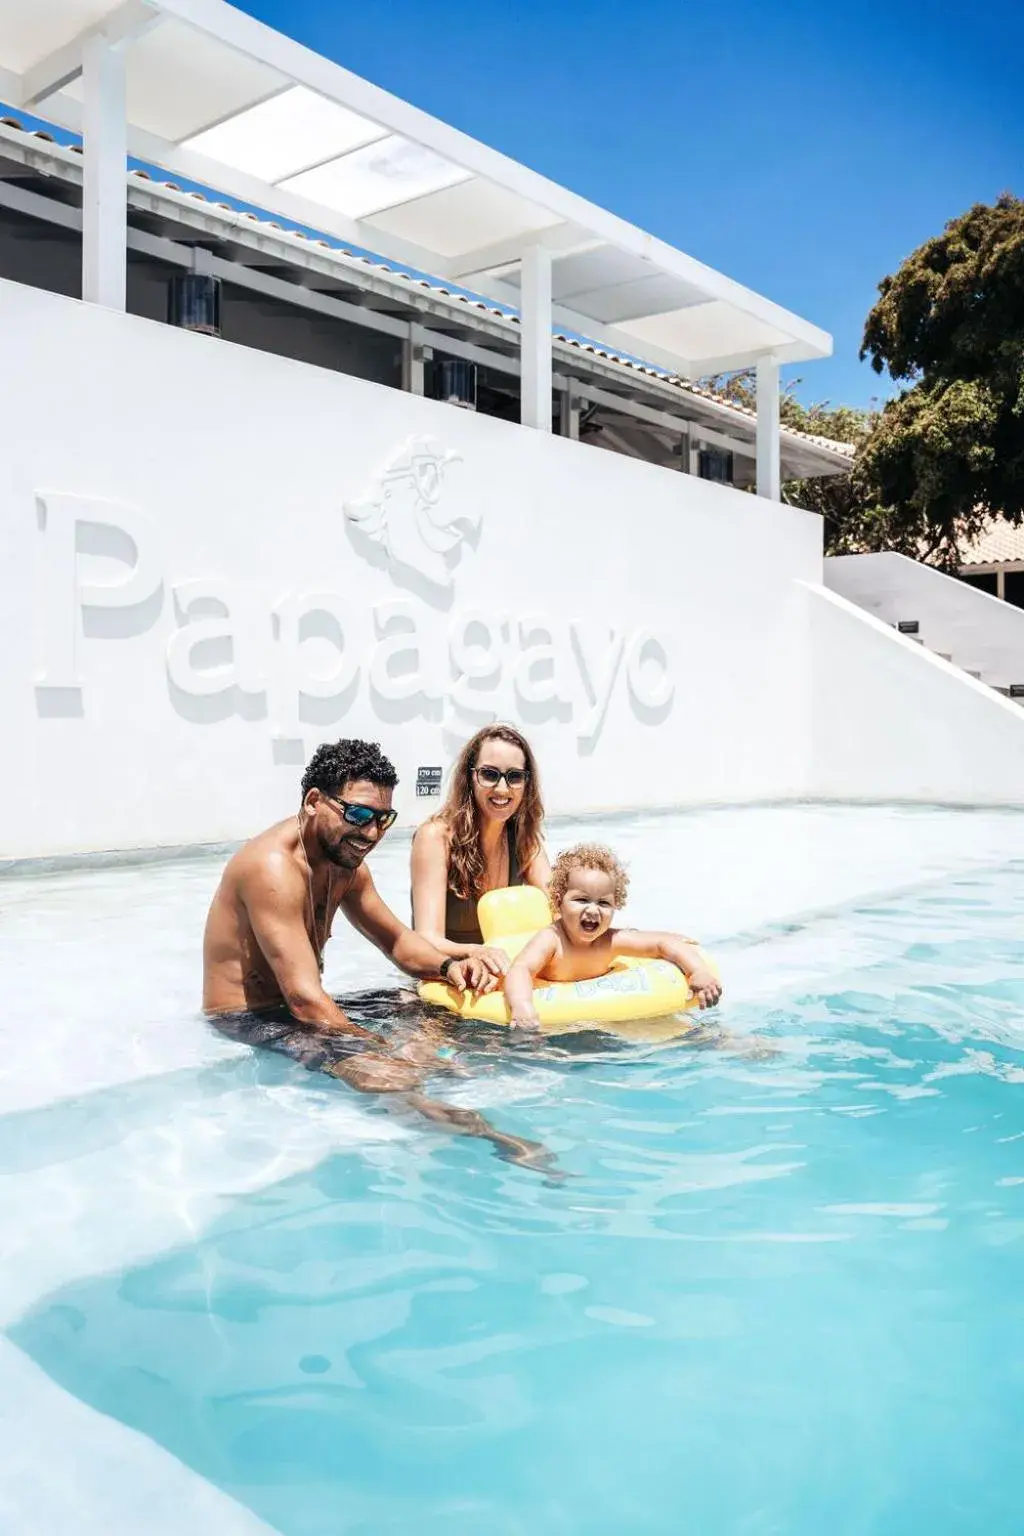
x,y
778,1293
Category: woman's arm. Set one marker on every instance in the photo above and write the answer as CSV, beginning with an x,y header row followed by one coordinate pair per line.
x,y
704,984
538,871
429,872
519,982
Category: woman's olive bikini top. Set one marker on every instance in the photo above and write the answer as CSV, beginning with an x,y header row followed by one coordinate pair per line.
x,y
460,919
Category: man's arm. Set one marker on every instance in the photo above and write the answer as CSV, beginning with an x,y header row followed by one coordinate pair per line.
x,y
275,901
371,916
704,984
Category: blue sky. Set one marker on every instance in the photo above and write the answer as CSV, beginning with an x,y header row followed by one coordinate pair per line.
x,y
803,149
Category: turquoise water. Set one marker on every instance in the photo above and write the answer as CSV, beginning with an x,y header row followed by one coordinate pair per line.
x,y
777,1293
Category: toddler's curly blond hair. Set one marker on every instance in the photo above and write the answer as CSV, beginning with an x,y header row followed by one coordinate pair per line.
x,y
587,856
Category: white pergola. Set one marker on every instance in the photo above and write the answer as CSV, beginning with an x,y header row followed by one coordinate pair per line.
x,y
206,93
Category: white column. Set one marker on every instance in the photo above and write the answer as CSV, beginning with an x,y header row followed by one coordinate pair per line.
x,y
414,358
1001,586
569,410
535,341
769,481
104,192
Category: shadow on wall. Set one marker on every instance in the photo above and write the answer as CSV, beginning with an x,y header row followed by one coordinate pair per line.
x,y
657,710
121,621
288,752
214,708
126,621
59,703
438,594
545,712
401,524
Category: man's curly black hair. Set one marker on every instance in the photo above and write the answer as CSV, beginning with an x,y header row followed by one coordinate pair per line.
x,y
337,763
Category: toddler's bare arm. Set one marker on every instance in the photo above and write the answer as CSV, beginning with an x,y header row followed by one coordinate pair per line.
x,y
525,969
704,984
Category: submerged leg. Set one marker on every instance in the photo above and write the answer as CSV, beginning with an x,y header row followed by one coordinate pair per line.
x,y
402,1072
469,1122
367,1074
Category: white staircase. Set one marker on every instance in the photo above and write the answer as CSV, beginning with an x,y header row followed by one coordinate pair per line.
x,y
978,633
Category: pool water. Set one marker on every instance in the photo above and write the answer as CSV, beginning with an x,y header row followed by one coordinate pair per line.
x,y
779,1291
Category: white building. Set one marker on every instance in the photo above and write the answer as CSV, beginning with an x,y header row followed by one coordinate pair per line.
x,y
219,551
994,561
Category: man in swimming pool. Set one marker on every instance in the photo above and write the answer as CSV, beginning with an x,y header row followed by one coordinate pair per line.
x,y
270,920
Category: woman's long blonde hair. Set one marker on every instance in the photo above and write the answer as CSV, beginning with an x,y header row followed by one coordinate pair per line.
x,y
459,813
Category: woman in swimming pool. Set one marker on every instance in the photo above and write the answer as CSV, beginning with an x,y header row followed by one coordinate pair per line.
x,y
486,835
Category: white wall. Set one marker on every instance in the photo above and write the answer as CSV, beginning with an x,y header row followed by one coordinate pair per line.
x,y
979,632
892,721
163,496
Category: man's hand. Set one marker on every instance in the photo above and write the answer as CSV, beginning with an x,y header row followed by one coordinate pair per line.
x,y
495,960
470,974
705,986
418,1052
345,1027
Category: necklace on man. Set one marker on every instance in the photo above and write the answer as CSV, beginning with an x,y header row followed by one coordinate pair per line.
x,y
318,944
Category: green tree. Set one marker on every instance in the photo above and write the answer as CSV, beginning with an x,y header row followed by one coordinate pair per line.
x,y
850,522
948,451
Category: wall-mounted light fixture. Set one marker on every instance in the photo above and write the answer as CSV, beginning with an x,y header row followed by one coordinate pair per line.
x,y
455,382
193,299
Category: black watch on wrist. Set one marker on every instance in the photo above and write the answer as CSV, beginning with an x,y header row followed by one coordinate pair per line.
x,y
445,966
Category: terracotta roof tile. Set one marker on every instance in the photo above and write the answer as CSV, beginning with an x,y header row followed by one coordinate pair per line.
x,y
1000,543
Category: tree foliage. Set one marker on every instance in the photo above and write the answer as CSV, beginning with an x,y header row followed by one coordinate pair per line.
x,y
948,451
849,526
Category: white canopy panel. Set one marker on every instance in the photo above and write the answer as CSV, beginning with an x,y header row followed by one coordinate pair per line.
x,y
214,96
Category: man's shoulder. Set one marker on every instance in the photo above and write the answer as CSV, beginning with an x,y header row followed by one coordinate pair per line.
x,y
266,861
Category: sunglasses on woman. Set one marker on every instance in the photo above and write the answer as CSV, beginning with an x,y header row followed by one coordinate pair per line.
x,y
515,778
362,815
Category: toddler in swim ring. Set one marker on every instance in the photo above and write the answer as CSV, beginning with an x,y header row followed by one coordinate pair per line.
x,y
588,885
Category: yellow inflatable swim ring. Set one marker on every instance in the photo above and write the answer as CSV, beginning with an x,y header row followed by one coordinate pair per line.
x,y
632,991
